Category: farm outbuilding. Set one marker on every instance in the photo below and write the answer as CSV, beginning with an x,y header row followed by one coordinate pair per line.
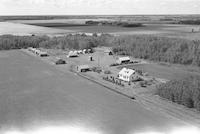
x,y
83,68
42,54
80,51
108,52
72,54
60,61
126,74
37,51
122,60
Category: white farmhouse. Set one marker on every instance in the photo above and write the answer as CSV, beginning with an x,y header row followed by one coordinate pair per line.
x,y
126,74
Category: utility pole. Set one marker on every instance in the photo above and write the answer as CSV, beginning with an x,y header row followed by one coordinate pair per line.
x,y
98,61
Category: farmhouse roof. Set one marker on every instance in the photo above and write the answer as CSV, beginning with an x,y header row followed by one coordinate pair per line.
x,y
127,72
83,67
124,58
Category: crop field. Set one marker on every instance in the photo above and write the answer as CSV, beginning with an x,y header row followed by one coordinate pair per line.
x,y
23,29
160,29
65,26
34,94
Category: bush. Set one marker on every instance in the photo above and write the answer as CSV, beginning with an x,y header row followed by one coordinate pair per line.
x,y
96,69
185,91
114,64
107,72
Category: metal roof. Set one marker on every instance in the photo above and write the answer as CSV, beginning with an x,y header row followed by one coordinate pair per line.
x,y
83,67
124,58
127,72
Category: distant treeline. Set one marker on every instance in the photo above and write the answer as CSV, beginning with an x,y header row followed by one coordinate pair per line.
x,y
47,17
185,92
114,23
163,49
56,24
191,22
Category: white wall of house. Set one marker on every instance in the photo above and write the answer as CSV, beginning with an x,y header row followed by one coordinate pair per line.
x,y
126,74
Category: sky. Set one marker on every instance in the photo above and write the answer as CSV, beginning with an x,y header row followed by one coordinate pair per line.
x,y
98,7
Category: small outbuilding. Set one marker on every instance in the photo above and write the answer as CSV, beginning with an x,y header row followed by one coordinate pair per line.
x,y
122,60
43,54
83,68
37,51
80,51
126,74
72,54
84,51
108,52
90,58
60,61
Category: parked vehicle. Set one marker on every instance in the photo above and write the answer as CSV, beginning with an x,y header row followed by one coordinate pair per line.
x,y
60,61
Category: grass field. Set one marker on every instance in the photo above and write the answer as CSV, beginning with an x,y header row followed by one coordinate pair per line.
x,y
34,94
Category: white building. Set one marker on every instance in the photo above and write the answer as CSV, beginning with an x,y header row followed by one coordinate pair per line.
x,y
72,54
83,68
43,54
123,60
126,74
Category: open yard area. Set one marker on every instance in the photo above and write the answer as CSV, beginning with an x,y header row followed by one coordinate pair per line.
x,y
34,94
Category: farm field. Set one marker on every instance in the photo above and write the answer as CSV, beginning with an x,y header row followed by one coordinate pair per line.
x,y
23,29
65,26
35,94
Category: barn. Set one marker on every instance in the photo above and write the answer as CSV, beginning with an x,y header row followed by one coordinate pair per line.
x,y
122,60
83,68
43,54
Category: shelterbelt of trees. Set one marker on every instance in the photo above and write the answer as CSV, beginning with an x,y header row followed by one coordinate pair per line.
x,y
114,23
163,49
190,22
172,50
65,42
185,92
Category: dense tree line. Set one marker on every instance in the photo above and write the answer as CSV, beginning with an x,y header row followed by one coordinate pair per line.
x,y
15,42
154,48
185,91
114,23
163,49
65,42
190,22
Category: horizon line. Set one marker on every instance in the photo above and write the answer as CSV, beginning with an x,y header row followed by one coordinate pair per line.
x,y
97,14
